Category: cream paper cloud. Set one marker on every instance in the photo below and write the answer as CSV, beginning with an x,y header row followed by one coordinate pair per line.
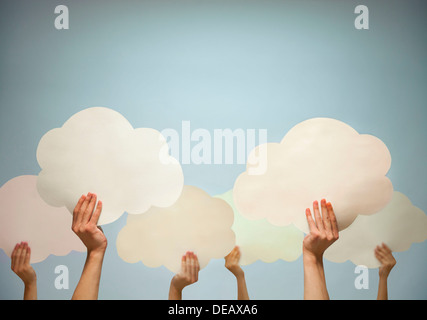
x,y
318,158
97,150
260,240
398,225
24,216
195,222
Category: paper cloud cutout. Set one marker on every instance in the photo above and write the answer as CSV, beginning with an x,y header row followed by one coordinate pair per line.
x,y
398,225
97,150
195,222
24,216
260,240
318,158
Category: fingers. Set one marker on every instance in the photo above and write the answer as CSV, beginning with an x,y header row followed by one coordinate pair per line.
x,y
234,254
87,213
325,222
317,217
77,208
190,266
382,251
332,220
95,217
20,255
184,264
14,256
194,267
325,217
380,254
237,253
28,256
23,256
84,210
311,225
386,248
384,254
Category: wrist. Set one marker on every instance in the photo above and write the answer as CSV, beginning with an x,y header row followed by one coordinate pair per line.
x,y
31,283
175,291
176,288
311,257
237,271
239,274
97,253
177,285
384,274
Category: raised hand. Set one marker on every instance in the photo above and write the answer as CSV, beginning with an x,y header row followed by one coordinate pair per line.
x,y
20,264
232,263
385,257
323,232
85,221
188,275
323,229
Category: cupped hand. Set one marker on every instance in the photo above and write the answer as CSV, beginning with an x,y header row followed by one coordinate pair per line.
x,y
21,255
189,272
85,219
385,257
232,262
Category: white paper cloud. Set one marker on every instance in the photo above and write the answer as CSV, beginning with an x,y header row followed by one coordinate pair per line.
x,y
195,222
318,158
24,216
398,225
97,150
260,240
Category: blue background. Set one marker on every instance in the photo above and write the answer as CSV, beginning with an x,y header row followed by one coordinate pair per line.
x,y
219,64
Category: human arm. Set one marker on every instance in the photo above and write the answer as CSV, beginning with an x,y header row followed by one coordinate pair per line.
x,y
384,255
232,264
20,264
85,218
188,274
323,232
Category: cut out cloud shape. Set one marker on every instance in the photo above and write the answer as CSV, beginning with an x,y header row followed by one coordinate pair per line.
x,y
318,158
398,225
24,216
97,150
195,222
260,240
